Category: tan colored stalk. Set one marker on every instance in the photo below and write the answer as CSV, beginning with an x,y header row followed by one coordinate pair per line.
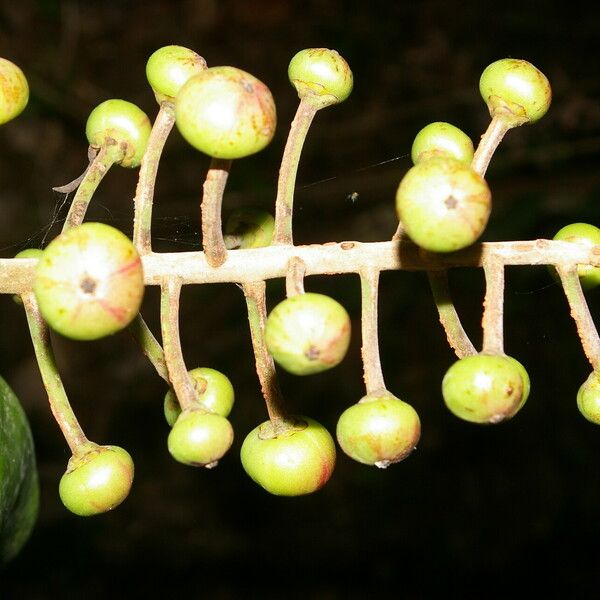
x,y
373,375
144,193
212,199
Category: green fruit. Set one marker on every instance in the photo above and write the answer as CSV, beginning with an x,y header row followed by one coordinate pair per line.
x,y
19,487
226,113
442,139
484,388
297,461
443,204
200,439
121,123
169,67
14,91
171,407
308,333
588,235
588,398
526,381
249,228
30,253
89,282
215,394
97,480
379,430
321,75
515,90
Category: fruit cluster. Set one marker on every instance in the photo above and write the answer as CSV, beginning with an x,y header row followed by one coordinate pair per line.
x,y
89,281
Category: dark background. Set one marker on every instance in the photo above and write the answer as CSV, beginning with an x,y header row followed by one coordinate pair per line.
x,y
475,511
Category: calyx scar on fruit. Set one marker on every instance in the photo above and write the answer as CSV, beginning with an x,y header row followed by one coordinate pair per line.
x,y
443,204
308,333
89,282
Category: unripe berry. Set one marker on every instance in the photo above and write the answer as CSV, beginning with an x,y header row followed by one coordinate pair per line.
x,y
97,480
379,430
200,439
442,139
226,113
169,67
215,394
526,381
297,461
588,398
589,235
308,333
516,91
249,228
484,388
443,204
321,76
30,253
122,123
89,282
14,91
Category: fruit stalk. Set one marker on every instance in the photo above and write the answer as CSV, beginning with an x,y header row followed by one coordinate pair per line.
x,y
581,314
457,337
399,233
373,375
493,307
144,193
108,155
57,397
150,346
254,293
490,140
284,203
179,377
212,229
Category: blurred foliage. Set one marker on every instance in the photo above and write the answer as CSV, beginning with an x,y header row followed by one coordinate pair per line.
x,y
475,508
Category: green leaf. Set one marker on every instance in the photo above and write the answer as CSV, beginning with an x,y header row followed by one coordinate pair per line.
x,y
19,486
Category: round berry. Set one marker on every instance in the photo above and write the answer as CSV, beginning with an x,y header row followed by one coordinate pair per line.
x,y
321,75
588,398
443,204
308,333
589,235
14,91
515,90
526,381
96,480
226,113
215,394
249,228
122,123
484,388
297,461
89,282
171,407
199,438
379,430
442,139
30,253
169,67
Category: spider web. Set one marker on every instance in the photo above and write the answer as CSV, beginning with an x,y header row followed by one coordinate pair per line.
x,y
178,231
